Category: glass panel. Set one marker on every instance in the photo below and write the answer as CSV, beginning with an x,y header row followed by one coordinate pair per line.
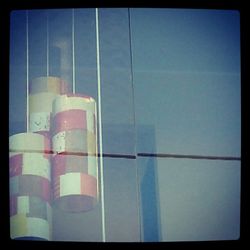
x,y
52,161
17,106
117,95
83,226
60,44
85,52
120,174
121,200
186,66
169,88
199,199
37,43
186,77
62,56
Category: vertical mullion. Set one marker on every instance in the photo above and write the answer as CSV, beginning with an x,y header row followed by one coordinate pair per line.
x,y
47,44
100,125
27,70
73,50
138,188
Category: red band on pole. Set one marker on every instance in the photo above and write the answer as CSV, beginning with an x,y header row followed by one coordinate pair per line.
x,y
15,165
70,119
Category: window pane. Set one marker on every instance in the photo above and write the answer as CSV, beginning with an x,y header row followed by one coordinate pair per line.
x,y
186,76
186,66
42,56
121,200
117,95
199,199
17,115
125,125
120,180
83,226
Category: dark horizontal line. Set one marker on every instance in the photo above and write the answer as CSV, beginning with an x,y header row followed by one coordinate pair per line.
x,y
118,156
156,155
50,152
181,156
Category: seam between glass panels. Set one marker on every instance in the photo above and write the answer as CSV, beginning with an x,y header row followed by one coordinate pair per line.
x,y
138,193
100,125
73,51
27,70
47,43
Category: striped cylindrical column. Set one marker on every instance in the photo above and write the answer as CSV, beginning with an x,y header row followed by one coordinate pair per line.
x,y
49,84
30,186
75,182
42,92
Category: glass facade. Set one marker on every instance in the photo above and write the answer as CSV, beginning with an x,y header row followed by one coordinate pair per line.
x,y
141,111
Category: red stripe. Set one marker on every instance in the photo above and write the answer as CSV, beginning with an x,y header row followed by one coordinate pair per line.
x,y
33,185
13,205
47,146
75,163
15,165
70,119
46,189
88,185
58,165
56,187
68,164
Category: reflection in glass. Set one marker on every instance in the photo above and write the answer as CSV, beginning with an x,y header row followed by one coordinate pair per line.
x,y
125,125
58,169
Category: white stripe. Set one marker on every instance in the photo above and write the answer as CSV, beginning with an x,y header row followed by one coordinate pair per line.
x,y
70,184
100,124
36,164
63,103
59,142
23,204
73,50
27,71
39,121
90,121
47,30
41,102
38,227
26,142
92,166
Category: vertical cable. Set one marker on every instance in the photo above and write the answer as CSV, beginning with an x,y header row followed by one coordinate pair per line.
x,y
138,190
27,70
73,50
100,124
47,45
